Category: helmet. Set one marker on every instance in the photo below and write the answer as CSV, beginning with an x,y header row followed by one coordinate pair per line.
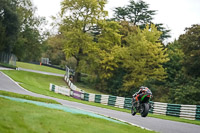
x,y
143,88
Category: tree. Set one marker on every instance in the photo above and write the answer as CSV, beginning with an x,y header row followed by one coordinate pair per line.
x,y
165,91
121,14
9,25
144,58
174,65
127,28
31,36
190,44
54,50
78,18
20,29
179,86
138,13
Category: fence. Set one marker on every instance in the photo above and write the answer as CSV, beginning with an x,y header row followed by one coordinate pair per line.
x,y
184,111
8,59
45,61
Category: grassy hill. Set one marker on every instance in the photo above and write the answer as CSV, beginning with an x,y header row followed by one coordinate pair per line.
x,y
82,86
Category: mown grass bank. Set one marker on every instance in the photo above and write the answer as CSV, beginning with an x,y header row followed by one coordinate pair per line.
x,y
39,83
39,68
53,70
28,118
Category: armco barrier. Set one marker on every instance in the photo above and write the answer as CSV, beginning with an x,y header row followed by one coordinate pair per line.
x,y
184,111
104,99
173,109
97,98
76,94
160,108
127,103
112,100
86,96
92,97
188,111
197,116
119,102
60,90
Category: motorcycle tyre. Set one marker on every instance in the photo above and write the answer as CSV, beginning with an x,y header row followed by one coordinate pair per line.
x,y
145,111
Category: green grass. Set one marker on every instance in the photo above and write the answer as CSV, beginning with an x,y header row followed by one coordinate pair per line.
x,y
88,89
28,118
39,68
53,70
7,66
11,94
39,83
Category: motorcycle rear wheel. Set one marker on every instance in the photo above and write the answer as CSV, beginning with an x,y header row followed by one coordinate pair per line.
x,y
144,109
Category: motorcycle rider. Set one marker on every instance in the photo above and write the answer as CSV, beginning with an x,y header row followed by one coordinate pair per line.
x,y
137,96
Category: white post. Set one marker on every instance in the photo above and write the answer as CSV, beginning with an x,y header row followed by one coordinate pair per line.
x,y
67,72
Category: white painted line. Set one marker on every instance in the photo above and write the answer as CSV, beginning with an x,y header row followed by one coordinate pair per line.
x,y
15,82
111,117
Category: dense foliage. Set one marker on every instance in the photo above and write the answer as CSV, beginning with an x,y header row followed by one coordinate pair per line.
x,y
140,55
20,30
182,82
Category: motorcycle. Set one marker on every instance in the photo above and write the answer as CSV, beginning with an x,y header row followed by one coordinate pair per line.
x,y
141,106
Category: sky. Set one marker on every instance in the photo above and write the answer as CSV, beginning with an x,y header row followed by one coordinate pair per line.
x,y
176,15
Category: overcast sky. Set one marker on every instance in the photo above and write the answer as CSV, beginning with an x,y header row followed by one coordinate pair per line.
x,y
176,15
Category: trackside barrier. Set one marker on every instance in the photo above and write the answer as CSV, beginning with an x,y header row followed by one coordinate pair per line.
x,y
188,111
127,103
160,108
191,112
119,103
184,111
198,113
60,90
104,99
152,107
76,94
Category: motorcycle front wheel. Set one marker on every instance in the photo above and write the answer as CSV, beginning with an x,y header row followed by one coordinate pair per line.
x,y
144,109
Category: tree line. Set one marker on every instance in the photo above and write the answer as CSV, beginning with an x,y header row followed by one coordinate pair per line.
x,y
21,32
118,54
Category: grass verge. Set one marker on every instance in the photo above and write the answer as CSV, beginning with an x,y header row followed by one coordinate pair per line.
x,y
8,66
39,68
11,94
39,83
88,89
24,117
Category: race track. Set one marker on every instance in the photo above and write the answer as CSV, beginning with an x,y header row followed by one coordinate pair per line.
x,y
159,125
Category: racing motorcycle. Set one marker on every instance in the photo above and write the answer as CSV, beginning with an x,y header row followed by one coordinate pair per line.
x,y
141,106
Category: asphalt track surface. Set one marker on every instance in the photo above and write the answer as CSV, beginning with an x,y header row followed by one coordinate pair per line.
x,y
159,125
